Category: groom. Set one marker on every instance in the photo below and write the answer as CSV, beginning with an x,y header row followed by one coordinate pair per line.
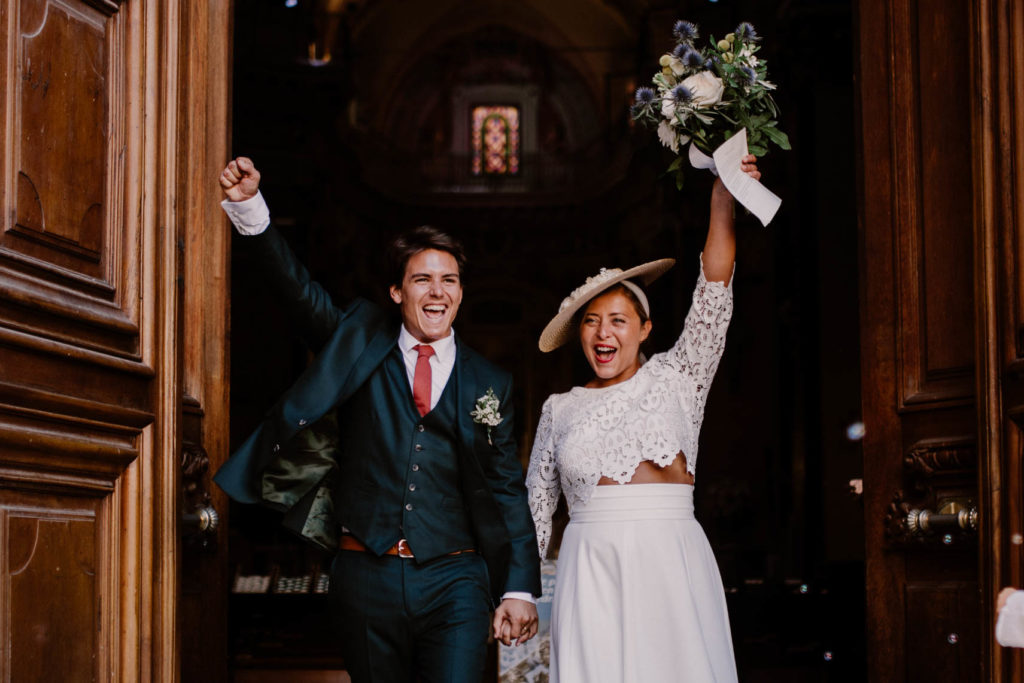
x,y
374,452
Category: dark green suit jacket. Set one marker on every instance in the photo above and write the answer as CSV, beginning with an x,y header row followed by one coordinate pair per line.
x,y
288,461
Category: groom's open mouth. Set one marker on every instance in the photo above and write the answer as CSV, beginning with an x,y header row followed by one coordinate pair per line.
x,y
604,353
435,311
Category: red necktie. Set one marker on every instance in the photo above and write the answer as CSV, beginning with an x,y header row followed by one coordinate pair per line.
x,y
421,379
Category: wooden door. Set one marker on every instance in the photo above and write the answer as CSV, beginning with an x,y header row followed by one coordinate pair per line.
x,y
99,148
940,107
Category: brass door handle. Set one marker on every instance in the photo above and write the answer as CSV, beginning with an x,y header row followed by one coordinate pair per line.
x,y
203,519
921,522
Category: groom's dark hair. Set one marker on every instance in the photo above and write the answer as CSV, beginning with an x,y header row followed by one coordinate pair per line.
x,y
412,242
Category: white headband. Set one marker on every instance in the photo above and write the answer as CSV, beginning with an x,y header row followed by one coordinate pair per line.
x,y
641,297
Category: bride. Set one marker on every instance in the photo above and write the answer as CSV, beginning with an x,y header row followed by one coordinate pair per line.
x,y
638,597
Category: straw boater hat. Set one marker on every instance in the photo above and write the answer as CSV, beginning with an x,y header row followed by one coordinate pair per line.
x,y
559,330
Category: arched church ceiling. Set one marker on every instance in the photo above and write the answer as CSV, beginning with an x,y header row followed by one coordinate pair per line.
x,y
393,35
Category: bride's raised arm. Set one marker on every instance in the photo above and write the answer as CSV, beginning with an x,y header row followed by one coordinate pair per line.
x,y
720,247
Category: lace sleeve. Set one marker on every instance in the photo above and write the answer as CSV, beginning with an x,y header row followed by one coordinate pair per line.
x,y
542,479
699,349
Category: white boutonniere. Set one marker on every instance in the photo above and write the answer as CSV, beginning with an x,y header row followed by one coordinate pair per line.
x,y
486,412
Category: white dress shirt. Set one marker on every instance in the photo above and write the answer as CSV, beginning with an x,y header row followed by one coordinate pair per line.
x,y
252,216
441,363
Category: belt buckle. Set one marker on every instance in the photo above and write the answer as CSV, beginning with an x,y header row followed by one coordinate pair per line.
x,y
403,549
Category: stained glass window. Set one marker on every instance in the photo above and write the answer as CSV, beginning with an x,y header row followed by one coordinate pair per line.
x,y
495,140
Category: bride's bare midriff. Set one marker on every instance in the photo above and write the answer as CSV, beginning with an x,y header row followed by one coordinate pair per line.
x,y
649,473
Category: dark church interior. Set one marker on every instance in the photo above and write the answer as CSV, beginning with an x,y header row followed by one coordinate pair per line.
x,y
358,114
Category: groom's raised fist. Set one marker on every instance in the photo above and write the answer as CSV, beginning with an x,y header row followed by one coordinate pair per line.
x,y
240,179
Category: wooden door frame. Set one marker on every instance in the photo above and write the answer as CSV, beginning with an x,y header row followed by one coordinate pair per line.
x,y
204,240
190,288
998,139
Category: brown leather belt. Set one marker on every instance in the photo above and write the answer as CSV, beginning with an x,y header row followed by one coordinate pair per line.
x,y
401,549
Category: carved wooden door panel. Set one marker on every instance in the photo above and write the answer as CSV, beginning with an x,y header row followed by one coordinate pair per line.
x,y
95,144
940,101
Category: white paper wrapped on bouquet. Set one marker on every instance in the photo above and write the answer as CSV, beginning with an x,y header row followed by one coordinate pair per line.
x,y
702,161
754,196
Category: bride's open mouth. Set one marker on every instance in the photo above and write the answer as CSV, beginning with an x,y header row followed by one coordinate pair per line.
x,y
604,354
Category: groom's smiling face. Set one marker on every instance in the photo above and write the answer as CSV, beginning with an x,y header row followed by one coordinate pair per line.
x,y
430,294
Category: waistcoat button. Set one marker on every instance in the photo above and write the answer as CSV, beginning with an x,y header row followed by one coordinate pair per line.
x,y
420,428
408,506
419,447
412,487
415,468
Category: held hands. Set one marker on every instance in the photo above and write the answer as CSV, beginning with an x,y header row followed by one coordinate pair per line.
x,y
515,620
240,180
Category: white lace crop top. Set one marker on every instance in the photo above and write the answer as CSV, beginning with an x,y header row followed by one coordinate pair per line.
x,y
585,434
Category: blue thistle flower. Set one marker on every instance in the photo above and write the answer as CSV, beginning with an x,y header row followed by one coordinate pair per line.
x,y
750,74
692,59
681,94
645,96
709,65
685,32
745,31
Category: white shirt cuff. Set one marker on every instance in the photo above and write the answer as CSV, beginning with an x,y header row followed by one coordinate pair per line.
x,y
250,216
516,595
1010,624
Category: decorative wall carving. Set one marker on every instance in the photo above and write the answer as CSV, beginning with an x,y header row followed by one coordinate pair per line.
x,y
941,457
935,472
895,520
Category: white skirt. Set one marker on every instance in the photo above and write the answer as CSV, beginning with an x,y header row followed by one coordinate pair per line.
x,y
638,596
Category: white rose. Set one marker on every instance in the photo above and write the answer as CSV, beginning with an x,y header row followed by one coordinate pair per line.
x,y
707,89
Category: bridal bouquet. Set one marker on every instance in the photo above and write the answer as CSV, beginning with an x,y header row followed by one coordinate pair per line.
x,y
704,96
